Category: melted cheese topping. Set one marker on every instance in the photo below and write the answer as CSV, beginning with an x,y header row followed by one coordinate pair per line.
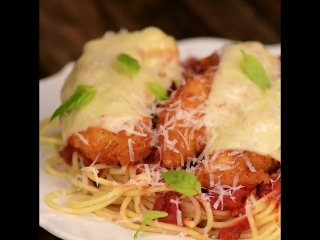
x,y
240,114
120,101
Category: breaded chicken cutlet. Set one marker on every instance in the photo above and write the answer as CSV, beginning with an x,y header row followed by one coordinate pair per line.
x,y
210,128
115,125
180,128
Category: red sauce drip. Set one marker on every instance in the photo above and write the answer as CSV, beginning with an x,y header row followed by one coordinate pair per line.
x,y
87,162
66,154
267,188
164,204
191,66
238,198
234,232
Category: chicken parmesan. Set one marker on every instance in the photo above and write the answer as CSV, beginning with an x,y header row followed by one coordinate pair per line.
x,y
115,126
164,145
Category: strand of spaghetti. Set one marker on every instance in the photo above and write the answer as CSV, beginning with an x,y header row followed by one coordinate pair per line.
x,y
105,199
267,227
75,199
52,146
102,181
109,178
196,212
274,235
55,194
119,179
269,218
105,188
75,161
278,220
265,233
260,206
148,190
251,221
126,177
132,170
83,197
179,229
104,173
88,203
118,171
137,208
79,211
45,125
90,183
61,163
146,203
207,208
129,224
51,139
48,166
229,223
268,196
107,213
266,212
150,198
73,178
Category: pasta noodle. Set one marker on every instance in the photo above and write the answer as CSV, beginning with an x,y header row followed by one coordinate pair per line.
x,y
123,195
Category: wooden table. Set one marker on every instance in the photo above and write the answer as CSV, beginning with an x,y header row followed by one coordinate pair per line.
x,y
66,25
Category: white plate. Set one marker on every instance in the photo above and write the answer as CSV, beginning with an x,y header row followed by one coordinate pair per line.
x,y
90,227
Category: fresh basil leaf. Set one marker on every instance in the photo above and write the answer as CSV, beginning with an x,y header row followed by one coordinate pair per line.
x,y
159,92
81,96
148,217
254,70
183,182
129,65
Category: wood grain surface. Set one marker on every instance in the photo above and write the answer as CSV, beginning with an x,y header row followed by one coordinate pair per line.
x,y
65,26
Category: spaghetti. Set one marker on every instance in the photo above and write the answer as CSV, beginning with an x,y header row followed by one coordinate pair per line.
x,y
123,195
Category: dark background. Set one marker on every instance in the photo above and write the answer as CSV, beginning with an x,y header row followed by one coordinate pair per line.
x,y
65,25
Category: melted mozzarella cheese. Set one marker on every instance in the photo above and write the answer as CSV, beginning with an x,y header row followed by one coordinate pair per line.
x,y
240,114
120,101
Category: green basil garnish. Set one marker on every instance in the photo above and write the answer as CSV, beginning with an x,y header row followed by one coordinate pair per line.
x,y
159,92
81,96
183,182
254,70
148,217
129,65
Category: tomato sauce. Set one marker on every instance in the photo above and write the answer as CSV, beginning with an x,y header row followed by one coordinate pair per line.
x,y
164,204
233,233
66,154
234,202
193,65
267,188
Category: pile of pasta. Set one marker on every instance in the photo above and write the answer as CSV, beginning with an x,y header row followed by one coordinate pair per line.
x,y
116,196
